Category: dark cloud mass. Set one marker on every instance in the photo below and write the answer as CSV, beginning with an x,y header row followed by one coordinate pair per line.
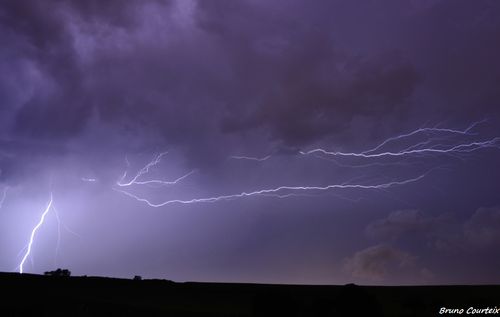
x,y
280,75
89,89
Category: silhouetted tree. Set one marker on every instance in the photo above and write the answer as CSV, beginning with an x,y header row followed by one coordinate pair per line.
x,y
59,272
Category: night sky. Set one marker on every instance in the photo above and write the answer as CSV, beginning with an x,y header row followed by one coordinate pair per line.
x,y
238,141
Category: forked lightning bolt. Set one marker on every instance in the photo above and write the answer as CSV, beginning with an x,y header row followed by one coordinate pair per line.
x,y
145,170
33,233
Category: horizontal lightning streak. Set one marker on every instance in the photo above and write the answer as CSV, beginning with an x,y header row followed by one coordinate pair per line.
x,y
250,158
421,130
161,182
425,147
460,148
268,192
421,148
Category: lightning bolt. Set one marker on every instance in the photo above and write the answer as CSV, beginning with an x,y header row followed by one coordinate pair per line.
x,y
422,148
426,147
250,158
4,195
33,233
144,171
460,148
438,141
273,192
428,130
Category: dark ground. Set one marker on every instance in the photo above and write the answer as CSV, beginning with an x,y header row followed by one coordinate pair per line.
x,y
38,295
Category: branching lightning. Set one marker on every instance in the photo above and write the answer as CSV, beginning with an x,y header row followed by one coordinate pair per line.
x,y
439,149
426,147
432,145
421,148
427,130
273,192
438,141
145,170
33,233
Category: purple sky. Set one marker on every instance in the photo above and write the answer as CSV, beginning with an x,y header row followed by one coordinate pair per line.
x,y
92,89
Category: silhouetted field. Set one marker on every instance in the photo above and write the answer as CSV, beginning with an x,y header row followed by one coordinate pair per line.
x,y
38,295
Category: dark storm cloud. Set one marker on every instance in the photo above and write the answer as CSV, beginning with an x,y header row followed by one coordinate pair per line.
x,y
477,231
113,12
456,44
38,33
39,37
239,67
402,222
42,91
305,108
305,87
20,158
279,75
